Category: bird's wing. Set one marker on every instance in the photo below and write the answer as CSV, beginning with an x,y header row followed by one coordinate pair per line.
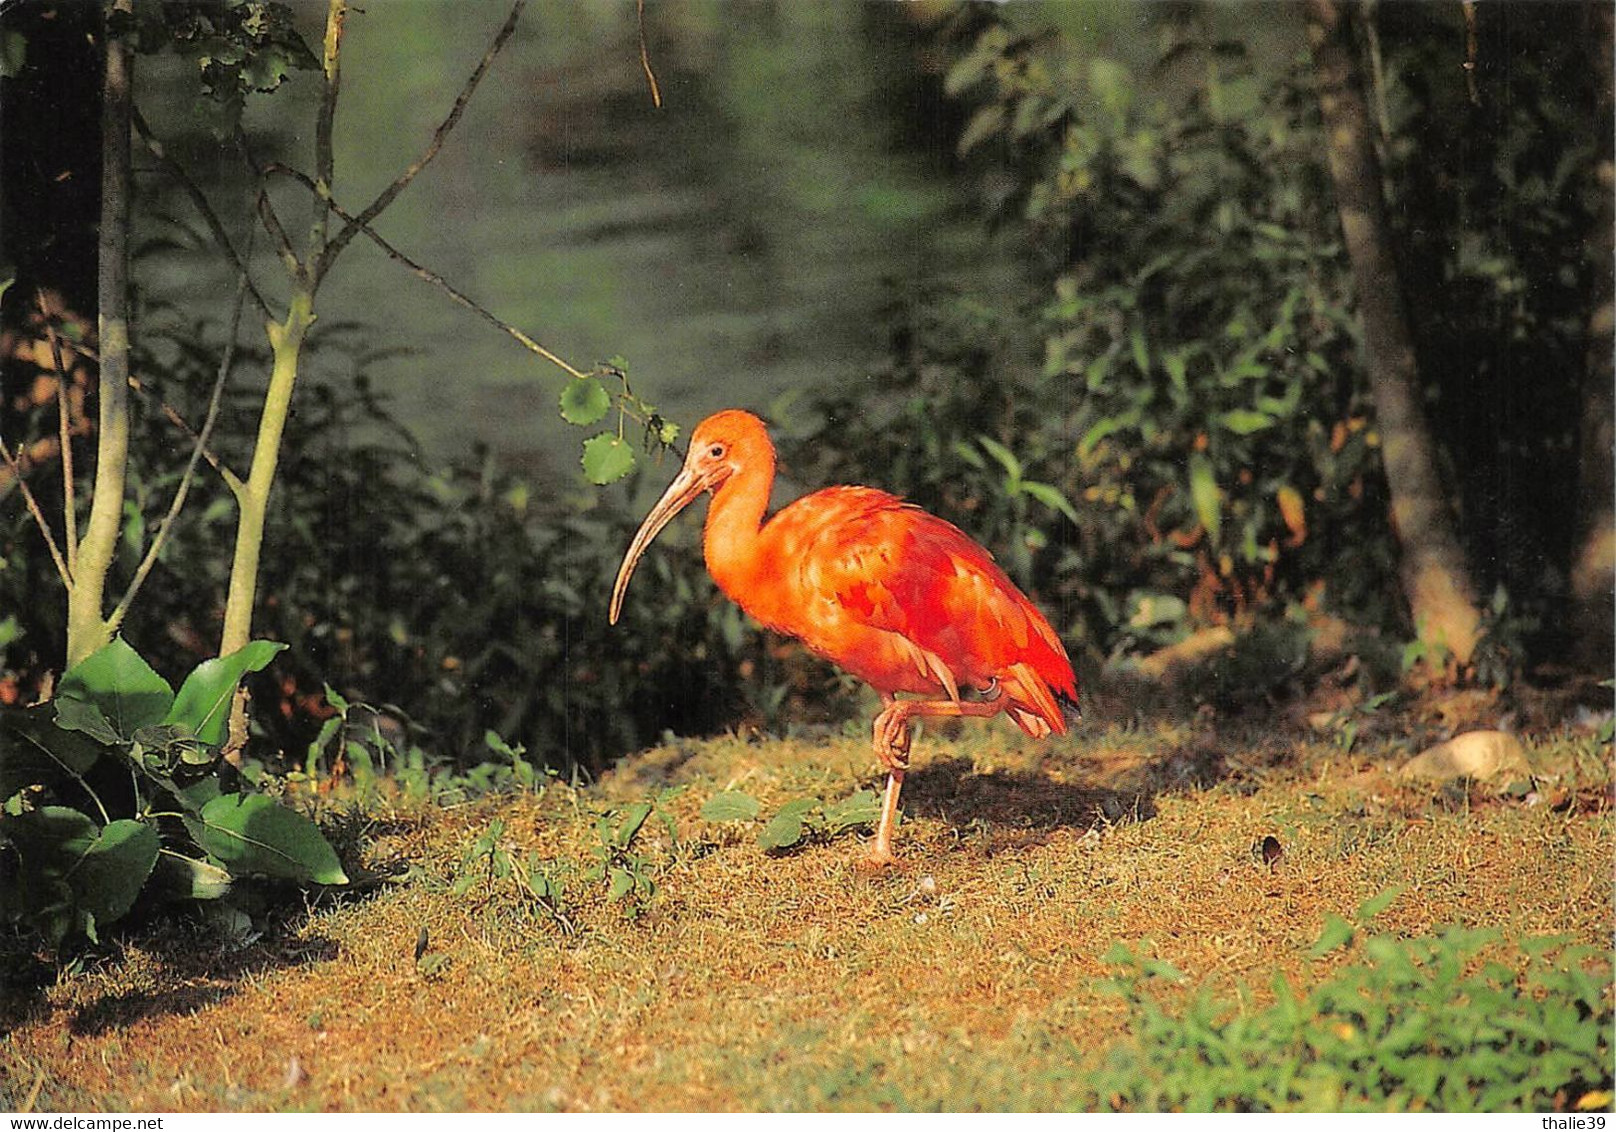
x,y
893,567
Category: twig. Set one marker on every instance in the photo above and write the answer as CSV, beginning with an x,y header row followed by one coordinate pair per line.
x,y
64,425
1469,9
266,211
230,478
324,156
402,181
430,276
645,60
200,201
39,516
160,539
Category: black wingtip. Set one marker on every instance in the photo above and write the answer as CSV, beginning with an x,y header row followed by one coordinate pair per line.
x,y
1070,708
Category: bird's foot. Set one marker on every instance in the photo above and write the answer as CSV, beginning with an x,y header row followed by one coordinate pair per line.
x,y
879,857
892,736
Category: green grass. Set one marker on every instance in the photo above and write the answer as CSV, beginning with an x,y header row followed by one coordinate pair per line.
x,y
1036,882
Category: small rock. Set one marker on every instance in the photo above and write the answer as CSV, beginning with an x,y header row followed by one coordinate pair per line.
x,y
1475,754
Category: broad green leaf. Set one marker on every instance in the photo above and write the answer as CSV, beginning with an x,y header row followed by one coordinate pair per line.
x,y
860,809
189,879
1244,422
84,717
1204,491
33,746
123,686
203,703
254,834
784,830
584,401
52,839
114,869
622,883
607,458
731,805
1337,933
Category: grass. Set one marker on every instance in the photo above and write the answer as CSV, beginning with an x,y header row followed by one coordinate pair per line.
x,y
979,974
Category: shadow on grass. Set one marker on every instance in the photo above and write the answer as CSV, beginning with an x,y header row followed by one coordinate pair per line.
x,y
955,792
193,966
191,979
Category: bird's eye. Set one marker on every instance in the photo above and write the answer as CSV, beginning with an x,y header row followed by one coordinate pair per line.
x,y
716,452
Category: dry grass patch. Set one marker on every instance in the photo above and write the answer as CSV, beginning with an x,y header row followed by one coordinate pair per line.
x,y
969,977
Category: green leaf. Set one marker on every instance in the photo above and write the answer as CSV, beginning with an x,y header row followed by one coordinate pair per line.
x,y
629,822
13,54
584,401
1378,903
731,805
86,718
1337,933
114,869
188,879
1244,422
607,458
123,686
1051,497
784,830
1204,491
254,834
203,703
860,809
622,883
1007,458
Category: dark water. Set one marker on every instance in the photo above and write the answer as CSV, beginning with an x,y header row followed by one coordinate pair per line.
x,y
734,245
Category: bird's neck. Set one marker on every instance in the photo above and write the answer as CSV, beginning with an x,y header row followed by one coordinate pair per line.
x,y
733,539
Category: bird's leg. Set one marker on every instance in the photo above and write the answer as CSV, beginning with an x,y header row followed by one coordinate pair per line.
x,y
892,736
892,748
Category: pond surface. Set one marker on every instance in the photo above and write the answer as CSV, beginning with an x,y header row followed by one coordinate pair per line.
x,y
734,246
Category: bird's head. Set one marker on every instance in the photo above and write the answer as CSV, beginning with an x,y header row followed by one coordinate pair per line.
x,y
721,446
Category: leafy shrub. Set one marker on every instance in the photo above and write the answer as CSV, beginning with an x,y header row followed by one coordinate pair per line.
x,y
1424,1024
1190,448
459,600
117,788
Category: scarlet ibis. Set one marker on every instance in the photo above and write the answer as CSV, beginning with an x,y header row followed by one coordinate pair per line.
x,y
896,596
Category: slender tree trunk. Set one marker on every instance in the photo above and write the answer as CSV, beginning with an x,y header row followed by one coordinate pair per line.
x,y
1436,581
87,625
1593,566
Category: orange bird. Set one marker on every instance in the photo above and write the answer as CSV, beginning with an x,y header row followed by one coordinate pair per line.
x,y
896,596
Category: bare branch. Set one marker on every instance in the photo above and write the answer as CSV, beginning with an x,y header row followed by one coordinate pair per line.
x,y
160,539
266,211
203,208
431,276
64,425
645,60
336,21
402,181
230,478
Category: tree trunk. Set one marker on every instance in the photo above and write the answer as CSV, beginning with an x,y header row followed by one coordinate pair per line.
x,y
87,625
1436,581
1593,565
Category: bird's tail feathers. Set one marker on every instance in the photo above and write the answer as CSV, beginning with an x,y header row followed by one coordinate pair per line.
x,y
1032,706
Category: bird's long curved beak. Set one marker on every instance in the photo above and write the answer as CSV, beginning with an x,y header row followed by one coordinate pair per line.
x,y
685,487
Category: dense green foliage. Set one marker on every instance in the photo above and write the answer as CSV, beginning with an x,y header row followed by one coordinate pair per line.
x,y
1425,1024
118,784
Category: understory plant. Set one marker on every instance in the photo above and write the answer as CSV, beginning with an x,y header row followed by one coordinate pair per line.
x,y
117,789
